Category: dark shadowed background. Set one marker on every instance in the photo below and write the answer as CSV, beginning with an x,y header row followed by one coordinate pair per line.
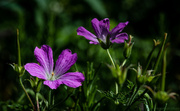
x,y
54,22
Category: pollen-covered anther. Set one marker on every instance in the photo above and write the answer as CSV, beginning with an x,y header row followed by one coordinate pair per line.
x,y
52,73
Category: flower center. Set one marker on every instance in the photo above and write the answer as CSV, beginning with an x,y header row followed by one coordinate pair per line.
x,y
52,76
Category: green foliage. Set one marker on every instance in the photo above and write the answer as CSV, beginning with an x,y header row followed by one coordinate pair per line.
x,y
13,106
121,97
54,22
88,98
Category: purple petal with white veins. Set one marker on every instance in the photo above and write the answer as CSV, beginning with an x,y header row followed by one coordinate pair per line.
x,y
104,29
120,38
95,26
116,30
36,70
52,84
44,56
65,60
72,79
88,35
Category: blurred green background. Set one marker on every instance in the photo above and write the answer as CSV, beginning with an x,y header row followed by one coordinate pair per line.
x,y
54,22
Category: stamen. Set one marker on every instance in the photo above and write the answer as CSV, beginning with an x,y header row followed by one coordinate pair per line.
x,y
52,74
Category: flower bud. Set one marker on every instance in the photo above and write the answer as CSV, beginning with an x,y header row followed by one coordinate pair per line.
x,y
19,69
147,78
161,97
120,73
128,48
141,79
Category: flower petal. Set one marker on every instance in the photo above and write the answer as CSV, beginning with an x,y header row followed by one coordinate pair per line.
x,y
72,79
116,30
120,38
101,28
104,26
65,60
88,35
44,56
95,26
92,42
36,70
52,84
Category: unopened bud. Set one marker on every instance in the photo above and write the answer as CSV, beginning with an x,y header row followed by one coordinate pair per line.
x,y
147,78
120,73
128,48
161,97
19,69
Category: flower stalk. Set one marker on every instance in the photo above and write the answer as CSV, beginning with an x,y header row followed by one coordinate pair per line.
x,y
20,70
156,43
160,54
20,80
49,99
128,48
18,48
37,101
164,69
124,62
110,58
133,96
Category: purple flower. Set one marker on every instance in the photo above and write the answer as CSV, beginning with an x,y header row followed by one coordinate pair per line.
x,y
54,78
102,34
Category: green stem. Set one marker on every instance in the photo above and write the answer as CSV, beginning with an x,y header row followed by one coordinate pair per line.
x,y
124,62
60,101
149,60
155,105
165,107
94,106
145,91
49,99
18,48
159,54
116,87
131,99
20,80
37,101
111,58
164,70
76,67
